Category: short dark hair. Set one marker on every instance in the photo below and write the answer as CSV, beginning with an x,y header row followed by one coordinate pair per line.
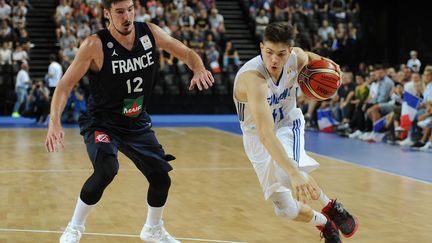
x,y
279,32
107,4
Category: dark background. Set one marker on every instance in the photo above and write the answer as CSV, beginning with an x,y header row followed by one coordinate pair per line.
x,y
392,28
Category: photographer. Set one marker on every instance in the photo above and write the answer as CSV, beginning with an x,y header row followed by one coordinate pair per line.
x,y
38,102
75,105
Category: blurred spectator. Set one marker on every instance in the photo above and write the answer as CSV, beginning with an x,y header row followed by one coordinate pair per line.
x,y
54,74
19,55
62,10
212,57
21,86
68,54
38,102
5,10
142,15
202,22
231,60
6,53
414,63
76,104
24,40
326,31
357,121
5,30
261,22
217,25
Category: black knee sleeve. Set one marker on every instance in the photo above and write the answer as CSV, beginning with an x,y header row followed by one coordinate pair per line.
x,y
160,183
105,169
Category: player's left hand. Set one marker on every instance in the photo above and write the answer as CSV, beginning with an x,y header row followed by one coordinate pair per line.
x,y
201,78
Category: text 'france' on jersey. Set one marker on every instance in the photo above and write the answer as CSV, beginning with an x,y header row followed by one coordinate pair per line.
x,y
123,85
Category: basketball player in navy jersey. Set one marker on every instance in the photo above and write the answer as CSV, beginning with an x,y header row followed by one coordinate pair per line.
x,y
122,64
265,92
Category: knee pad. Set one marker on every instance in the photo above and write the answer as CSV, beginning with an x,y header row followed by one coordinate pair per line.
x,y
106,166
159,180
285,205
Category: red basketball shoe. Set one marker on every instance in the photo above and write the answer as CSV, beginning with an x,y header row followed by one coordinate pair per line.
x,y
346,223
330,232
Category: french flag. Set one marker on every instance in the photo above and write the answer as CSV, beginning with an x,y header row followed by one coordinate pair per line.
x,y
325,120
380,124
409,109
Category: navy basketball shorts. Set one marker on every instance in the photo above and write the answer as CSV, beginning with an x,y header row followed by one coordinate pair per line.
x,y
141,147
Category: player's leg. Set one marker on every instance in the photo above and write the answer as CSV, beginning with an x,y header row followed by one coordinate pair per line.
x,y
286,206
149,157
103,155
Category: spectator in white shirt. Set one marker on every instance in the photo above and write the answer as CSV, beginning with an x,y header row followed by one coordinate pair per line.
x,y
414,63
21,85
5,54
55,72
5,10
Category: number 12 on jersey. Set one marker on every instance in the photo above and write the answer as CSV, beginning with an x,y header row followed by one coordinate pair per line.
x,y
137,87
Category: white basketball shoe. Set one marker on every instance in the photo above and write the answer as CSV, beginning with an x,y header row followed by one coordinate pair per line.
x,y
156,234
72,234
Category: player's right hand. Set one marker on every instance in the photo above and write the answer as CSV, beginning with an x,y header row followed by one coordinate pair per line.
x,y
55,137
302,188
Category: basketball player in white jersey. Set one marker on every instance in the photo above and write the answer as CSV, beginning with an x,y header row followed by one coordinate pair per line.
x,y
273,134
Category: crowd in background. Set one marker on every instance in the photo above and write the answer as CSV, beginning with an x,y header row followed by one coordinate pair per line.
x,y
329,28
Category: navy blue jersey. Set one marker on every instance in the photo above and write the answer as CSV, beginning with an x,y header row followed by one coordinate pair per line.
x,y
120,91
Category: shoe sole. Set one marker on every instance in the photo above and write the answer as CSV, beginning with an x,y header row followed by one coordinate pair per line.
x,y
355,229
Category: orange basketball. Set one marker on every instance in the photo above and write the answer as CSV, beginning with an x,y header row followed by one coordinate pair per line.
x,y
319,80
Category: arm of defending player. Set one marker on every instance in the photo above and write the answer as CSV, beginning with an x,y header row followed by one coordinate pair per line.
x,y
74,73
256,92
202,77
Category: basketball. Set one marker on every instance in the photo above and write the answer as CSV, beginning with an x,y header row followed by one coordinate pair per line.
x,y
319,80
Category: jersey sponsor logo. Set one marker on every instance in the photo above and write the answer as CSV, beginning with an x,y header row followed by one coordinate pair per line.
x,y
114,53
132,107
146,42
132,64
273,99
101,137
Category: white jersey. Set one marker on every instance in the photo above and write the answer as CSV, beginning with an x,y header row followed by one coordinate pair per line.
x,y
281,97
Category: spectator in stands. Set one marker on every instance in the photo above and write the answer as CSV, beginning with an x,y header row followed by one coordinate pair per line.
x,y
62,10
414,63
18,20
344,96
261,22
76,104
19,55
38,102
142,15
21,6
281,10
326,31
361,93
202,22
68,38
54,74
68,54
6,33
383,103
217,25
321,9
6,53
187,22
83,31
21,86
24,40
231,59
212,59
5,10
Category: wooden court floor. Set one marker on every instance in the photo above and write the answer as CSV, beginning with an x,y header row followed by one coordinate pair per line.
x,y
215,196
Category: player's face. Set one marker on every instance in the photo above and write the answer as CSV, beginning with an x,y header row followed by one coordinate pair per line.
x,y
121,16
275,55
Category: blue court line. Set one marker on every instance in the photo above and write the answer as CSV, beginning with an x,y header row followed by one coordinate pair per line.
x,y
393,159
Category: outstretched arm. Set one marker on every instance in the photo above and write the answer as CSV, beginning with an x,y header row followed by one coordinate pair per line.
x,y
202,77
74,73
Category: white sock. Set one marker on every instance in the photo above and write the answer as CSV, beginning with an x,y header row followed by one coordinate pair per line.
x,y
81,212
154,215
318,219
324,199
